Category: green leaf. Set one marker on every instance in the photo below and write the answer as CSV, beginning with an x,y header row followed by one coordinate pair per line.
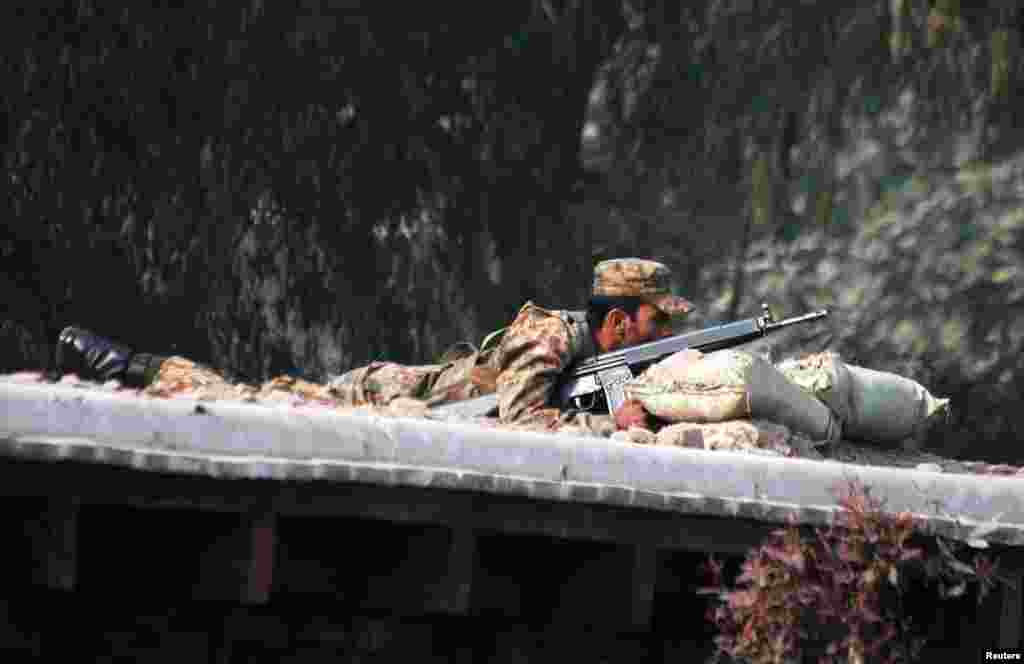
x,y
891,183
696,72
1003,275
517,41
760,104
807,183
840,215
789,232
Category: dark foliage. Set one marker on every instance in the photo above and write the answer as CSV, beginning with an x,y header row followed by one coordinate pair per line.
x,y
837,593
270,186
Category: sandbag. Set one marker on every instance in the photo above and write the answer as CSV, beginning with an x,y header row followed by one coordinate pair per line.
x,y
875,406
694,387
825,376
773,397
888,407
728,385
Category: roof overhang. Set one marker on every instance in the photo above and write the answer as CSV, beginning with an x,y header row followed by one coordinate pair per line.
x,y
323,448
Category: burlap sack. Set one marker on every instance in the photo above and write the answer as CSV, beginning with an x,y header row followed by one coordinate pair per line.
x,y
825,376
694,387
875,406
728,385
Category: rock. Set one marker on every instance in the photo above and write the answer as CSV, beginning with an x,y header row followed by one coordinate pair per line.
x,y
737,435
636,435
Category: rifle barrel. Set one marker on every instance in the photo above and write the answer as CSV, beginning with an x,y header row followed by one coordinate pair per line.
x,y
707,340
654,350
814,315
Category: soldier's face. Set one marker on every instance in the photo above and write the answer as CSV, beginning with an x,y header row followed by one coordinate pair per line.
x,y
650,323
621,330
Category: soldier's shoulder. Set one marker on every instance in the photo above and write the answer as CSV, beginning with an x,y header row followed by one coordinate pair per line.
x,y
533,308
531,313
535,323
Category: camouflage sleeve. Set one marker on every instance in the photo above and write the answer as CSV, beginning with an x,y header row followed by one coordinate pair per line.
x,y
535,350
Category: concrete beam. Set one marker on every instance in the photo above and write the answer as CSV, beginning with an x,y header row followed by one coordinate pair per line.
x,y
508,514
236,440
433,574
54,541
238,566
607,588
453,593
644,578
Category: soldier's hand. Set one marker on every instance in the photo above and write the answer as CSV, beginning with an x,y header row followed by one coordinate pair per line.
x,y
632,414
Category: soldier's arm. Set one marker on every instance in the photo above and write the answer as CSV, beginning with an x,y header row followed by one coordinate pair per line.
x,y
534,352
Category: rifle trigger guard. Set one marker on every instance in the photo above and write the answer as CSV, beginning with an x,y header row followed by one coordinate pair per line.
x,y
578,403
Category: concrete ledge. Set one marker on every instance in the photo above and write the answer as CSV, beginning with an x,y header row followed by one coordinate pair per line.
x,y
244,441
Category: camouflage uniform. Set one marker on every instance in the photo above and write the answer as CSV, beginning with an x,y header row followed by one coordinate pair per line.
x,y
523,366
178,374
379,383
376,384
540,344
535,349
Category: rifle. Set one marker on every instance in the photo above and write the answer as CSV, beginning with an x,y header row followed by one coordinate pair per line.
x,y
602,377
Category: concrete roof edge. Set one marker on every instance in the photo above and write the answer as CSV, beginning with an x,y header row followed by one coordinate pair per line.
x,y
236,440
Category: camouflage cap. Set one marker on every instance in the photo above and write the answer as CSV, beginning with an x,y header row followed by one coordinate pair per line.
x,y
638,277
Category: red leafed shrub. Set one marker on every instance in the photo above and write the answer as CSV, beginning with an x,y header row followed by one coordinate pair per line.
x,y
837,592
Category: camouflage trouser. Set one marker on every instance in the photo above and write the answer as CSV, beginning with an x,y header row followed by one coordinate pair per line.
x,y
376,384
379,383
178,374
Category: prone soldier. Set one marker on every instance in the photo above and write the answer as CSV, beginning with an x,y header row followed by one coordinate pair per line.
x,y
631,303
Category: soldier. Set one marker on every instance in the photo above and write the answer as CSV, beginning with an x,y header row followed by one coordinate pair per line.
x,y
631,303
